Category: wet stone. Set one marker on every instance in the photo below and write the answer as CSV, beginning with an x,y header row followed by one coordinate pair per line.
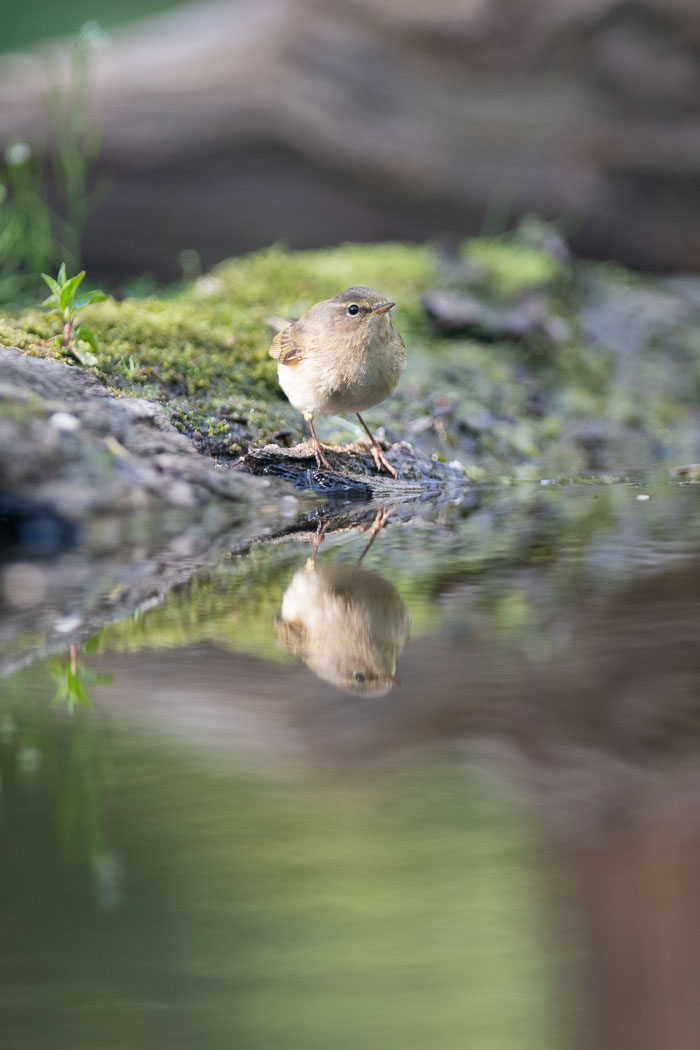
x,y
354,476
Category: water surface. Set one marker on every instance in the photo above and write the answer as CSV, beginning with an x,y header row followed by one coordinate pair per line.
x,y
439,792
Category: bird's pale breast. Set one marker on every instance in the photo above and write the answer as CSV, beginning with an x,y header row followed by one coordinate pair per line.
x,y
345,378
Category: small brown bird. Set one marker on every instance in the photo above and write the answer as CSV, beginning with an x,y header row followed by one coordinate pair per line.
x,y
348,625
343,355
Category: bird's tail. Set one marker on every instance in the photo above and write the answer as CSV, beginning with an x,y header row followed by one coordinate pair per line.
x,y
277,323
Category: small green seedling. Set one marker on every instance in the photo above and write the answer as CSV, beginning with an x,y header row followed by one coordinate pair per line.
x,y
129,367
64,302
72,676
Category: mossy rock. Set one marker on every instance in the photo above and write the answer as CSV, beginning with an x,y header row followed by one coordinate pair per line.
x,y
573,365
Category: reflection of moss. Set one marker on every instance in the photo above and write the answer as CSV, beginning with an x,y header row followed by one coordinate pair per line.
x,y
234,605
514,566
390,911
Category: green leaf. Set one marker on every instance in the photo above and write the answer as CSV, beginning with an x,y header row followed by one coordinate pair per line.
x,y
83,356
53,286
86,333
93,644
97,296
80,694
60,696
61,278
69,289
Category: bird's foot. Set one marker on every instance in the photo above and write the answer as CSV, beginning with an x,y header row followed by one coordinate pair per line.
x,y
381,462
380,520
321,461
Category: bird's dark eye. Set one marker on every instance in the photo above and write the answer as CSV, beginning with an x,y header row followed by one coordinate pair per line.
x,y
353,309
359,677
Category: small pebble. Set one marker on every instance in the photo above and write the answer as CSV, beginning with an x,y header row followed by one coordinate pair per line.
x,y
290,506
67,624
643,497
24,585
149,603
180,494
65,422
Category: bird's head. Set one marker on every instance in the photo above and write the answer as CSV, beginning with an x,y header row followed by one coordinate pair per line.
x,y
355,310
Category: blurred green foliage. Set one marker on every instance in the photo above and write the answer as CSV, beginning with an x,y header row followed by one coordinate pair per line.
x,y
27,243
24,24
34,235
50,742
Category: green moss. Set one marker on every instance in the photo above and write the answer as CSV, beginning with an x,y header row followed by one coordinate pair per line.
x,y
203,351
511,266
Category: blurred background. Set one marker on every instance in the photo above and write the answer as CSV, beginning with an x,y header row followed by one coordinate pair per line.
x,y
212,128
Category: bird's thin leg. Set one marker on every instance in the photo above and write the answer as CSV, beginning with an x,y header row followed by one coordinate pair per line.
x,y
318,540
380,519
321,460
380,459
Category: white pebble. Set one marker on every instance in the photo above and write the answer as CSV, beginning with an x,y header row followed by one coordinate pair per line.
x,y
64,421
66,624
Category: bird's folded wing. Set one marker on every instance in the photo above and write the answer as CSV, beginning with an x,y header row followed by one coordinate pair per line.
x,y
286,347
293,635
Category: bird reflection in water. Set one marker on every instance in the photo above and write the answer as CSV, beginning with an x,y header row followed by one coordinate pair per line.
x,y
347,624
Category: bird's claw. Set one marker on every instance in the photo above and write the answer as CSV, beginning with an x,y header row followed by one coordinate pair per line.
x,y
381,462
321,461
380,520
318,540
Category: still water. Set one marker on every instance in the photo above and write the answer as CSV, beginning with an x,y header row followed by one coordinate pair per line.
x,y
439,790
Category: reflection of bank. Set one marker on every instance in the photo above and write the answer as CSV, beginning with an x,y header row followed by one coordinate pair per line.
x,y
347,624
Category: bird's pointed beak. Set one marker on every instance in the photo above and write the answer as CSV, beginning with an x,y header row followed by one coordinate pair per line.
x,y
381,309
